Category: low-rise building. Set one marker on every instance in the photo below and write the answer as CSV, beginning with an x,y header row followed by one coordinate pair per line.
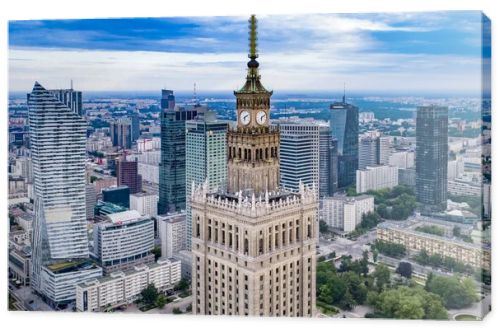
x,y
461,187
25,220
123,287
20,265
58,280
405,233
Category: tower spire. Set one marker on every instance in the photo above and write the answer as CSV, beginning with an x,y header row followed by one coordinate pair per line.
x,y
252,84
252,25
343,97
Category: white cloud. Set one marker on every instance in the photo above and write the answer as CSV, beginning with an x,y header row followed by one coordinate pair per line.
x,y
324,69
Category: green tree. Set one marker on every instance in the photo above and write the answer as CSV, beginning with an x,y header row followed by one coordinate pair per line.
x,y
356,289
407,303
94,178
325,293
364,263
345,263
351,191
435,260
410,308
157,252
370,220
422,257
383,211
183,285
382,276
431,229
149,294
390,248
323,226
404,269
347,302
161,301
433,307
456,293
375,255
176,310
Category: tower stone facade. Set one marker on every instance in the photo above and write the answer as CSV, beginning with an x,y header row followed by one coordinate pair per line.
x,y
254,245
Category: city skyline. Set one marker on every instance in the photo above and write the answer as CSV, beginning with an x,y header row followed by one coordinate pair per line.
x,y
393,52
374,207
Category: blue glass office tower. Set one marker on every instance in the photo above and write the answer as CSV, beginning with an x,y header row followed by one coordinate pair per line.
x,y
117,195
432,157
344,123
172,188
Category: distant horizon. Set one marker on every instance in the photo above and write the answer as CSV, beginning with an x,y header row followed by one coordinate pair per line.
x,y
323,94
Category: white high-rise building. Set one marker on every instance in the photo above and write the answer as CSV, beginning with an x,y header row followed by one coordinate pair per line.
x,y
345,213
402,159
172,231
374,149
384,149
206,158
23,167
299,152
145,203
375,178
57,137
455,168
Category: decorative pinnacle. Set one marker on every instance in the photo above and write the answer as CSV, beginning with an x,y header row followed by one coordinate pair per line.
x,y
252,25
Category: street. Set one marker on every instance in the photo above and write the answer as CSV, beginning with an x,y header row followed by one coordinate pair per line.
x,y
343,246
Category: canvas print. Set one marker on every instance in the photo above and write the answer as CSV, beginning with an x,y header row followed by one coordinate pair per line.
x,y
316,165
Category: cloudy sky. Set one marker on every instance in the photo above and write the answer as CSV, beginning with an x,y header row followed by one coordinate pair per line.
x,y
392,53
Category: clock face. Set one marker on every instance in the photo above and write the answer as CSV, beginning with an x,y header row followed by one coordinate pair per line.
x,y
245,117
261,117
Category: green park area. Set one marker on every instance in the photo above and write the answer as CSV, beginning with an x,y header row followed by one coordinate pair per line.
x,y
390,294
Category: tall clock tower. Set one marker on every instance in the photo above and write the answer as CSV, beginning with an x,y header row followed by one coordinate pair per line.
x,y
253,246
253,157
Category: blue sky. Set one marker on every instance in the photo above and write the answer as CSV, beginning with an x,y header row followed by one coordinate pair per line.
x,y
393,52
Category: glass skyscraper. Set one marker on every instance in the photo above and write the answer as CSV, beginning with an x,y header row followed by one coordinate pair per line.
x,y
172,188
57,135
206,158
327,162
432,156
299,153
344,123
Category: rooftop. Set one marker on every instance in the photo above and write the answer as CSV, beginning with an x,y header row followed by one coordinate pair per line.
x,y
410,225
124,216
125,273
71,265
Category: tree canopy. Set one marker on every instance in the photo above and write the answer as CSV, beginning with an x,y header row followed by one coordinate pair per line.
x,y
456,293
407,303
